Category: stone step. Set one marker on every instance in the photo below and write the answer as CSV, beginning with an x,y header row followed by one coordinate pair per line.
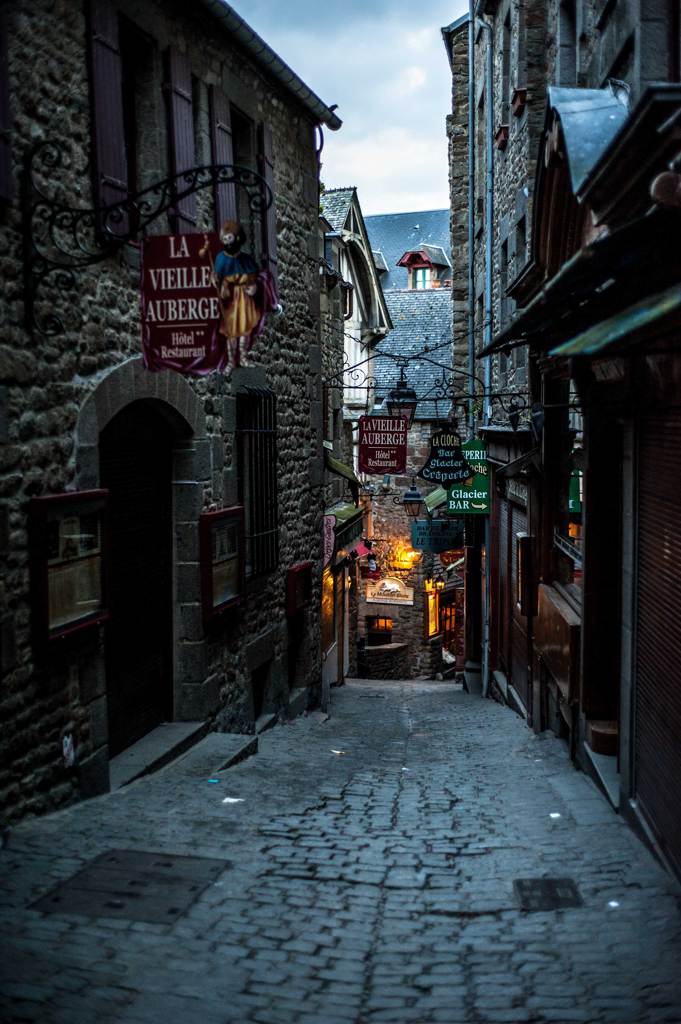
x,y
158,748
215,753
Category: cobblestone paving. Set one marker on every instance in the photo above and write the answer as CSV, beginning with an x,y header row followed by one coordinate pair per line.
x,y
370,885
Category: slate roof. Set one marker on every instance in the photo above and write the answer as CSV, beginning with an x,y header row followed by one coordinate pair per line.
x,y
590,118
379,260
336,203
435,253
419,318
394,233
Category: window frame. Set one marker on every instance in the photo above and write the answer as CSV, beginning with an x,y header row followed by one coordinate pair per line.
x,y
42,511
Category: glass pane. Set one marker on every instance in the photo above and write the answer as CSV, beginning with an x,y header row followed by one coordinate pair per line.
x,y
225,557
74,591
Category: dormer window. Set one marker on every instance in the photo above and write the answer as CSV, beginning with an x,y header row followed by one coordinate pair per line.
x,y
427,266
420,277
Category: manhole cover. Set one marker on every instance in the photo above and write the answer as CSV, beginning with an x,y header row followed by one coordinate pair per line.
x,y
546,893
133,885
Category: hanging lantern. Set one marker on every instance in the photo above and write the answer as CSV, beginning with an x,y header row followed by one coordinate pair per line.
x,y
412,500
402,400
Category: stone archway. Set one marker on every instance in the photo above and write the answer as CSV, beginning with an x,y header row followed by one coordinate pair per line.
x,y
171,399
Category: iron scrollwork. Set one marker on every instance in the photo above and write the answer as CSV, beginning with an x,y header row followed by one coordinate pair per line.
x,y
61,240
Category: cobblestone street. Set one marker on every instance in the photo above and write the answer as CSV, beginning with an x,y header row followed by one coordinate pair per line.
x,y
370,874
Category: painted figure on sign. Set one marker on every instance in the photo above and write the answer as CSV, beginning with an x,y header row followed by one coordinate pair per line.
x,y
246,294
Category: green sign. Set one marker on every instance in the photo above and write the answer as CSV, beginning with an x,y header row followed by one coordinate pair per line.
x,y
575,496
471,500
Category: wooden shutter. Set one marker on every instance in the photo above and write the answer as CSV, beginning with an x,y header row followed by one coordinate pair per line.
x,y
222,149
106,93
269,227
5,116
181,132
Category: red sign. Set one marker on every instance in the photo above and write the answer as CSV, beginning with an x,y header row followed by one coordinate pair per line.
x,y
382,444
180,304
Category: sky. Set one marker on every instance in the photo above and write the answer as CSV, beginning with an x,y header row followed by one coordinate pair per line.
x,y
384,63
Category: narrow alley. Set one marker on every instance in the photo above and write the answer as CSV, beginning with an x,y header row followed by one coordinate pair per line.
x,y
363,867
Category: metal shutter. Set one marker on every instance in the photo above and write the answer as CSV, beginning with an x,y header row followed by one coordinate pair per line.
x,y
504,608
657,727
519,676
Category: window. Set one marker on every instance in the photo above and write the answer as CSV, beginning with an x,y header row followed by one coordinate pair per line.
x,y
503,284
520,245
221,540
68,563
256,431
137,72
504,117
420,278
244,143
328,624
566,72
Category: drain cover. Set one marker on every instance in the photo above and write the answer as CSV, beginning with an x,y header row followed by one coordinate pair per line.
x,y
133,885
546,893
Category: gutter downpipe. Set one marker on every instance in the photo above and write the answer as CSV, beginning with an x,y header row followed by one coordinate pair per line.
x,y
471,217
487,326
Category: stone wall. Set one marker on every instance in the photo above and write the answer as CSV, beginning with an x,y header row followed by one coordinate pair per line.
x,y
59,392
627,40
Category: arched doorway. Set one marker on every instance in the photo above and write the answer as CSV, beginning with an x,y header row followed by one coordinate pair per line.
x,y
136,466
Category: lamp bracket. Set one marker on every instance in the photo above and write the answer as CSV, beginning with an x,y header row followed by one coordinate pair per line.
x,y
61,238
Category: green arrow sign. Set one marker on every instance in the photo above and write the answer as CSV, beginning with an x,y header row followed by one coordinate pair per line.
x,y
473,500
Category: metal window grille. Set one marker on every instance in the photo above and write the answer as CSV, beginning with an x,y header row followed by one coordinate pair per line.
x,y
257,469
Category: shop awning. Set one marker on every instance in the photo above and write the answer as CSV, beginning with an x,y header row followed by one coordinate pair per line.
x,y
511,469
436,499
647,313
341,469
349,523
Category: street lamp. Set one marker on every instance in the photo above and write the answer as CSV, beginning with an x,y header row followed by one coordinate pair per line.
x,y
412,500
402,400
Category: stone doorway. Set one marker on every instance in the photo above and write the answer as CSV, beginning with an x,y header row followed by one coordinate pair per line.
x,y
136,460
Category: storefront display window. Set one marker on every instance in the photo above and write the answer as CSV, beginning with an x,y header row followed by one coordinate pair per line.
x,y
222,560
328,609
68,554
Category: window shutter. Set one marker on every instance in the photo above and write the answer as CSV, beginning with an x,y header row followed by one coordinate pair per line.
x,y
222,153
269,240
106,93
181,132
5,116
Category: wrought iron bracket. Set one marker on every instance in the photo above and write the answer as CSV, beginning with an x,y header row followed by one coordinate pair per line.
x,y
61,240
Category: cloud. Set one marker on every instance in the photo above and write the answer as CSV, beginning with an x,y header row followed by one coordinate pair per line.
x,y
410,80
383,62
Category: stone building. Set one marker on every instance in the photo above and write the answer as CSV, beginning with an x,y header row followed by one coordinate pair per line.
x,y
580,636
417,351
354,318
129,596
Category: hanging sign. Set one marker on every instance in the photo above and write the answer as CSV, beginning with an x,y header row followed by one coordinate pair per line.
x,y
382,444
446,463
329,529
471,498
436,535
180,305
204,301
389,590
